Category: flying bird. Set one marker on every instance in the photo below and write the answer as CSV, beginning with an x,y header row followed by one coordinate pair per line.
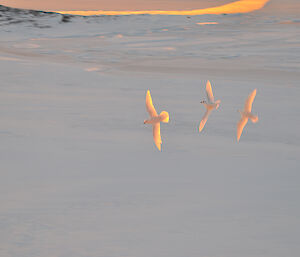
x,y
155,120
246,114
210,105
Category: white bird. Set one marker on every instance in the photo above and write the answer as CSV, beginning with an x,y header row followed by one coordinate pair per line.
x,y
246,114
155,120
210,105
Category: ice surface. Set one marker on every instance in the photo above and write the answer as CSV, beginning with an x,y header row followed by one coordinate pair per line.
x,y
80,175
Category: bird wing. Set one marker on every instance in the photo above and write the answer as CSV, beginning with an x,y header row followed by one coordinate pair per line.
x,y
209,93
240,126
149,105
204,119
249,101
156,135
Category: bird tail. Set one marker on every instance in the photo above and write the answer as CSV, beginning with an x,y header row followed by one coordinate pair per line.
x,y
165,116
253,118
218,103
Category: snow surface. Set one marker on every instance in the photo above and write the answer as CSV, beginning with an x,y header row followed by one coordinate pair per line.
x,y
80,175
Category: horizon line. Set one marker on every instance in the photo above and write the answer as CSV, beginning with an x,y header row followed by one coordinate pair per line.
x,y
240,6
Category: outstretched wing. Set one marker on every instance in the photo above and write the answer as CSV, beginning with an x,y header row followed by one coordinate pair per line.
x,y
156,135
249,101
209,93
204,119
240,126
149,105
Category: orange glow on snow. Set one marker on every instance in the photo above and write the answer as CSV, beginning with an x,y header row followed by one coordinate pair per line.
x,y
241,6
208,23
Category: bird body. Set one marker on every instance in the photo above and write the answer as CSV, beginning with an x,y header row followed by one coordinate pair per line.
x,y
210,105
246,114
162,117
155,120
249,115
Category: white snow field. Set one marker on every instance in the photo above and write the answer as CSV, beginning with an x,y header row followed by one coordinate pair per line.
x,y
80,174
